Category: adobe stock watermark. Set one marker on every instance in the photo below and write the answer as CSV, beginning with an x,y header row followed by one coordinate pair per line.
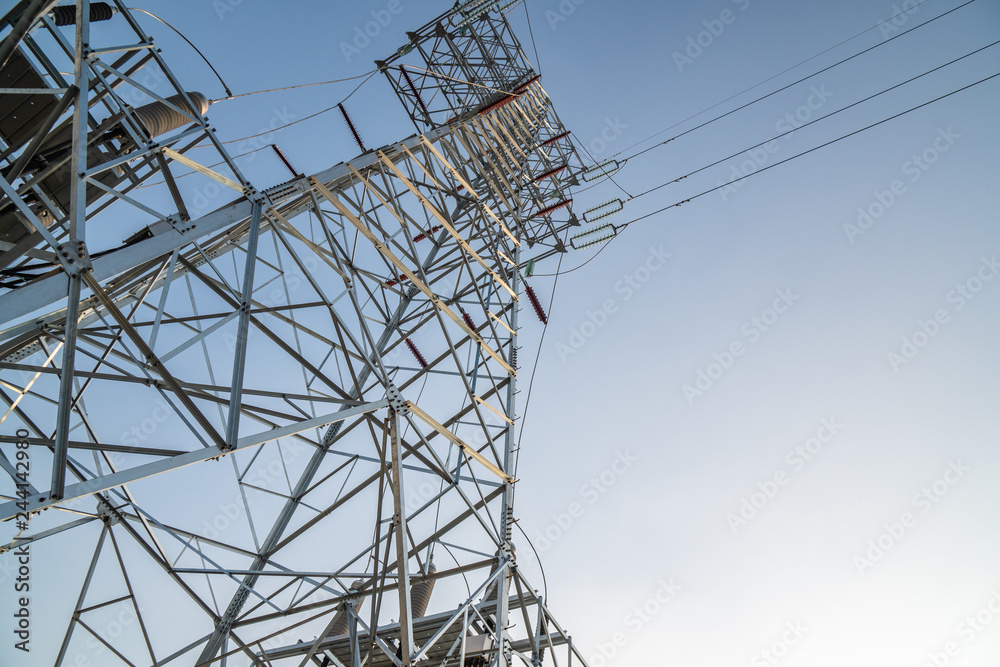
x,y
113,630
261,477
293,280
140,431
702,41
772,655
635,621
757,158
625,288
419,494
278,295
967,631
923,501
151,79
752,330
901,14
609,134
590,491
135,436
364,34
928,329
22,552
202,196
566,8
914,168
796,459
223,7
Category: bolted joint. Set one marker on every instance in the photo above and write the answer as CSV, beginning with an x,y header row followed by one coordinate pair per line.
x,y
396,401
256,196
108,516
74,257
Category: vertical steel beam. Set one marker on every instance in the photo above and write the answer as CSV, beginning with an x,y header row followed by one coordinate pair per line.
x,y
240,355
402,550
78,160
507,509
538,654
76,243
352,630
65,407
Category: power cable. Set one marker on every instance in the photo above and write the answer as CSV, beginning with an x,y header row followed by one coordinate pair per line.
x,y
294,122
534,367
181,35
760,83
531,33
229,93
833,113
815,148
541,568
580,144
774,92
620,228
301,85
577,268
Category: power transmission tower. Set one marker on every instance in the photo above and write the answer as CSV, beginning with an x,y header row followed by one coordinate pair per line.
x,y
271,432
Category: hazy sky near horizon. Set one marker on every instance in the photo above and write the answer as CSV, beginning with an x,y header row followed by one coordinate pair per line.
x,y
763,425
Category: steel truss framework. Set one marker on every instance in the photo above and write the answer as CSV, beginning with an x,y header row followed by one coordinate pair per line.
x,y
332,362
470,64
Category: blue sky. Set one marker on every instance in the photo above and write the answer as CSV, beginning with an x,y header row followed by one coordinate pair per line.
x,y
741,398
826,358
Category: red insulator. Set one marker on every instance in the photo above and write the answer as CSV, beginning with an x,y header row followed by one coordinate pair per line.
x,y
510,97
413,89
549,173
553,208
401,278
281,156
555,139
357,137
468,320
523,87
536,304
416,353
421,237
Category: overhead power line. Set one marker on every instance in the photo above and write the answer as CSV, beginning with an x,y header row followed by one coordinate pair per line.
x,y
821,118
786,87
806,152
619,229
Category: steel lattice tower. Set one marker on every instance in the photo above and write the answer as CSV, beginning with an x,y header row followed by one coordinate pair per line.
x,y
274,432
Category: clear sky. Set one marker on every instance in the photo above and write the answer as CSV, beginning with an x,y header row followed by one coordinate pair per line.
x,y
763,425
